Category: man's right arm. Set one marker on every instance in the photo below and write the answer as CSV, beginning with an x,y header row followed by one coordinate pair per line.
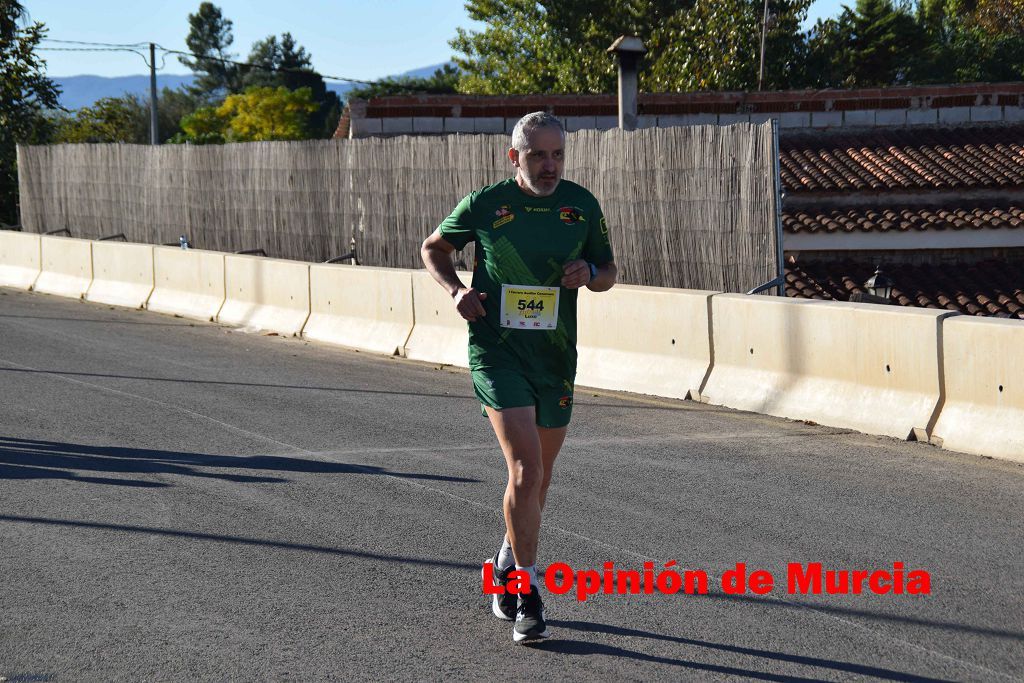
x,y
437,252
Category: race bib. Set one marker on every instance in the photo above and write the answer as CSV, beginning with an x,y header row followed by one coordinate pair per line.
x,y
529,308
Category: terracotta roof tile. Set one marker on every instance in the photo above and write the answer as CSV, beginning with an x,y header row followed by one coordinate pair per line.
x,y
904,159
809,221
992,287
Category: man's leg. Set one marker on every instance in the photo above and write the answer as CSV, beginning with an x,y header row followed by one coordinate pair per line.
x,y
517,432
551,440
520,439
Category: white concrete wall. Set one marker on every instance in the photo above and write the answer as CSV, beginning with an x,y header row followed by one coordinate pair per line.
x,y
983,367
265,294
19,259
955,381
859,366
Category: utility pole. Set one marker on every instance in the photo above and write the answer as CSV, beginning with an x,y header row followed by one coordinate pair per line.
x,y
764,30
154,133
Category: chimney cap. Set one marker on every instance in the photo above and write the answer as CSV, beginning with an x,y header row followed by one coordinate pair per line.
x,y
627,45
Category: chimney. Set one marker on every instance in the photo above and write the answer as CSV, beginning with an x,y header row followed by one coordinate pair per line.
x,y
629,50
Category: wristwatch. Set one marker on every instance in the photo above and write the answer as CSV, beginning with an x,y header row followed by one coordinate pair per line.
x,y
593,271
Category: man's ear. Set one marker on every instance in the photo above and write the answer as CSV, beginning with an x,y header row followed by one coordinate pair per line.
x,y
513,156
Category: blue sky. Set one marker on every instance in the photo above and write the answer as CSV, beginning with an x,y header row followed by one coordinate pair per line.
x,y
367,39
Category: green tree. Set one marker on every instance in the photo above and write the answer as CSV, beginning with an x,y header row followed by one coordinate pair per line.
x,y
205,126
536,47
443,81
827,52
877,43
1000,16
998,27
258,114
560,45
124,119
284,63
210,38
109,119
717,46
172,107
268,114
277,63
25,93
971,41
885,40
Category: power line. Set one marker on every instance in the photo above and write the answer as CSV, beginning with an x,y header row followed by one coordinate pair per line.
x,y
88,49
125,47
95,49
83,42
275,69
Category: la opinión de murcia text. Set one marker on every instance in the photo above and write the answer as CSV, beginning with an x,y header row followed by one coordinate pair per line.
x,y
801,579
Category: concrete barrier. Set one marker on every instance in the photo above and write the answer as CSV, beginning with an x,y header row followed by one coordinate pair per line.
x,y
649,340
188,282
265,294
19,259
66,266
984,377
122,274
360,307
439,334
859,366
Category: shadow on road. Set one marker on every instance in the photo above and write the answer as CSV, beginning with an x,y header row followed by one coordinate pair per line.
x,y
17,471
579,647
32,459
868,614
242,540
576,647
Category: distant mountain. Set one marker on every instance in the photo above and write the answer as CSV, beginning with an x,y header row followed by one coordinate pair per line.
x,y
83,91
426,71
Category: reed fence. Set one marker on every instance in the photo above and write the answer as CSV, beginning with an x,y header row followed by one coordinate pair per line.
x,y
691,207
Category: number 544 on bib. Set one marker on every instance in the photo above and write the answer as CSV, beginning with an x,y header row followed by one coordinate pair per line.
x,y
529,308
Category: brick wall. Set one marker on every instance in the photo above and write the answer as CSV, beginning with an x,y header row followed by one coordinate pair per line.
x,y
819,109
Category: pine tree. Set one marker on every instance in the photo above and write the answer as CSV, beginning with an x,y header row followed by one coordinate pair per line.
x,y
209,39
25,93
285,63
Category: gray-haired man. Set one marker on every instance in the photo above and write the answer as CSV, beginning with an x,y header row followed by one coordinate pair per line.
x,y
539,239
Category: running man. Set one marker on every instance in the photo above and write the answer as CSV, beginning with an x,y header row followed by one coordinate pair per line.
x,y
538,240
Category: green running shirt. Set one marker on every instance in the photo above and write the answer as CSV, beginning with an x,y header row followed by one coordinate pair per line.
x,y
524,240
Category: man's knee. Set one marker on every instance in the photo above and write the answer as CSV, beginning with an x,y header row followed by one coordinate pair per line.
x,y
526,477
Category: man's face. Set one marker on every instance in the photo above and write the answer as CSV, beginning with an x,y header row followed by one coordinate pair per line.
x,y
540,165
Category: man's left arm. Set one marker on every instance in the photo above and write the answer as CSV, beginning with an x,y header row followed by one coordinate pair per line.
x,y
607,276
596,270
576,274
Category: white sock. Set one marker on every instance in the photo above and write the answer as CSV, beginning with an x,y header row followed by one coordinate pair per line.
x,y
505,557
532,571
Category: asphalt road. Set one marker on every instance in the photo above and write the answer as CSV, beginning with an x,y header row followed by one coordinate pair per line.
x,y
183,501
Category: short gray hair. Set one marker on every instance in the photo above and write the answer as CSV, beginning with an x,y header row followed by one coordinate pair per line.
x,y
531,122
